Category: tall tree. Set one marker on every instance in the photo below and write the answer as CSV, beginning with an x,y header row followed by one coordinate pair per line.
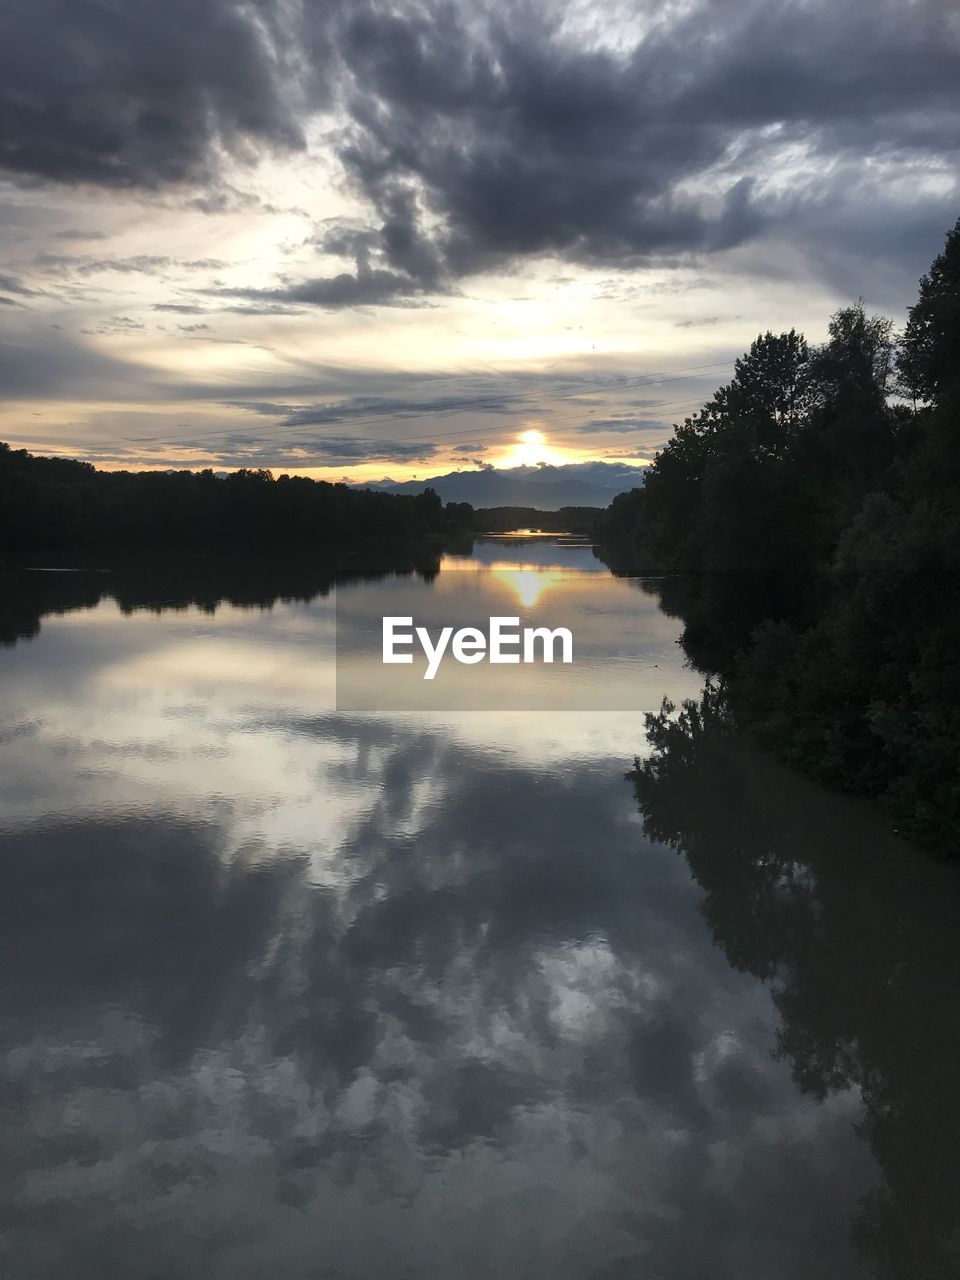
x,y
929,358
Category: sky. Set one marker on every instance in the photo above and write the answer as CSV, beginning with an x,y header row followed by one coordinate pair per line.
x,y
350,239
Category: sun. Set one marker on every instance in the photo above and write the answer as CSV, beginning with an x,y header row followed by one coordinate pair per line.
x,y
531,449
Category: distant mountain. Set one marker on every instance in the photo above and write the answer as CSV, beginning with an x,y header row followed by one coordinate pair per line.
x,y
580,484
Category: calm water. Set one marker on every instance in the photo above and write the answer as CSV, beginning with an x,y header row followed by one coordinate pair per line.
x,y
293,992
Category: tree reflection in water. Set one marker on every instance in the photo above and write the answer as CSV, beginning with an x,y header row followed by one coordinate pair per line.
x,y
856,935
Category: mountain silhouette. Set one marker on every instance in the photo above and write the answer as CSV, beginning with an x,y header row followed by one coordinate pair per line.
x,y
592,484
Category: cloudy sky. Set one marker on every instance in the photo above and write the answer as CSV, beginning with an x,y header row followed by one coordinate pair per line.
x,y
352,239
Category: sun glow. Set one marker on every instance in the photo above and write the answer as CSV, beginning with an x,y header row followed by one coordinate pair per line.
x,y
531,449
529,582
522,581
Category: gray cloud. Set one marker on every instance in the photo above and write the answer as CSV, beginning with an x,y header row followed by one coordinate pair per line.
x,y
525,142
116,324
141,264
240,449
375,406
237,309
141,95
13,284
180,308
78,233
365,287
43,362
604,473
477,138
620,425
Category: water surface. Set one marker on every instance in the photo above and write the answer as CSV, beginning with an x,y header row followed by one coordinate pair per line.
x,y
291,991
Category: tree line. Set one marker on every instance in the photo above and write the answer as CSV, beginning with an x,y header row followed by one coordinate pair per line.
x,y
50,503
506,519
814,504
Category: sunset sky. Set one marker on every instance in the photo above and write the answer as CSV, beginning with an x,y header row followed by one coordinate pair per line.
x,y
354,239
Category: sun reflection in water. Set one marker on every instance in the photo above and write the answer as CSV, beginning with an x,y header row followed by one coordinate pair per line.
x,y
528,582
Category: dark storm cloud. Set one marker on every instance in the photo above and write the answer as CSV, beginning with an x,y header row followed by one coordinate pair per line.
x,y
477,138
536,148
406,247
394,262
365,287
140,94
528,143
344,290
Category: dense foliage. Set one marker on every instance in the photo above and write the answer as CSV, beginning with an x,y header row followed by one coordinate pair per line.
x,y
816,499
506,519
59,502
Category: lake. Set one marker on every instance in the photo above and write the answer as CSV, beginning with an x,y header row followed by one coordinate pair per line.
x,y
307,975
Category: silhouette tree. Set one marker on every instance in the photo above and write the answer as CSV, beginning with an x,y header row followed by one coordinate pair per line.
x,y
822,528
929,358
58,502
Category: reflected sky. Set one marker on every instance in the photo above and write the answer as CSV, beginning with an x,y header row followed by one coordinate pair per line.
x,y
294,992
624,648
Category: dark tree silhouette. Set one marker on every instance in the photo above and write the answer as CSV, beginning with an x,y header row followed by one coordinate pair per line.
x,y
820,523
60,503
929,358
